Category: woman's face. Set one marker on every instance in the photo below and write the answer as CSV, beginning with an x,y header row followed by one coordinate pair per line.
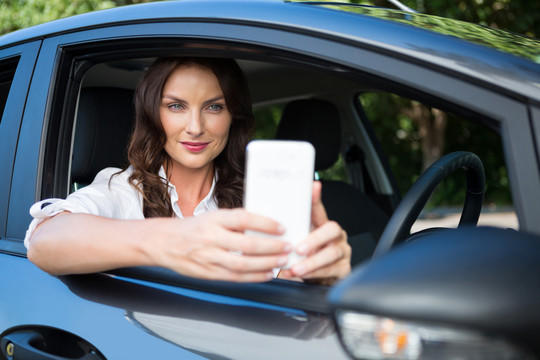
x,y
194,116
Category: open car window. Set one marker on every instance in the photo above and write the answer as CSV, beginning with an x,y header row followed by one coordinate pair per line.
x,y
413,135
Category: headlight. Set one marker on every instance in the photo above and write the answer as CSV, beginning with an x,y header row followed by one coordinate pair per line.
x,y
370,337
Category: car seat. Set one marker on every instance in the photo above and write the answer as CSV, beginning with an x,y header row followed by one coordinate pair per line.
x,y
318,122
104,120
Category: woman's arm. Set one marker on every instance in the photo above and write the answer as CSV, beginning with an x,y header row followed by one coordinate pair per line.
x,y
206,246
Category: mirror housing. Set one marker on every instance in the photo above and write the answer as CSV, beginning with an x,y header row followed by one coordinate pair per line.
x,y
481,279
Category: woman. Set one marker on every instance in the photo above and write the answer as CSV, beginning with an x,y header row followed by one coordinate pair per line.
x,y
178,204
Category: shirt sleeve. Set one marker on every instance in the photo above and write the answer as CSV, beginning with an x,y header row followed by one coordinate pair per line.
x,y
109,195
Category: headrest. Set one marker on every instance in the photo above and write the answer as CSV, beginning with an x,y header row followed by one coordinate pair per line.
x,y
315,121
102,129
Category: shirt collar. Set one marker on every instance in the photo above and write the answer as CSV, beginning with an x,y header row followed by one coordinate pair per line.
x,y
207,204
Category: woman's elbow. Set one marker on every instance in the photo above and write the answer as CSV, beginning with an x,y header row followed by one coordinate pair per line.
x,y
38,252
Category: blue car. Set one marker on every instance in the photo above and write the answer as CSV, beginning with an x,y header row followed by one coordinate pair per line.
x,y
412,103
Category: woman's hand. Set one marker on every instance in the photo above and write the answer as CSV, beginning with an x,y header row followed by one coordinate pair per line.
x,y
214,246
328,254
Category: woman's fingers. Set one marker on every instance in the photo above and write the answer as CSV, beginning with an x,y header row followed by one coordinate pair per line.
x,y
326,257
330,231
225,229
327,253
217,272
249,244
214,246
242,220
330,262
233,224
240,263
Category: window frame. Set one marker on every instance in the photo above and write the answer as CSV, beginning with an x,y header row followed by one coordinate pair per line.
x,y
25,57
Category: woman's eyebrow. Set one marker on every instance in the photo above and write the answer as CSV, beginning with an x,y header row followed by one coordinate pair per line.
x,y
217,98
174,98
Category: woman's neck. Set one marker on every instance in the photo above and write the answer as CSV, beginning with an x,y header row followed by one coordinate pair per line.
x,y
192,185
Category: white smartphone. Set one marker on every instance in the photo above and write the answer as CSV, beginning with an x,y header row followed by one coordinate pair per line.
x,y
278,184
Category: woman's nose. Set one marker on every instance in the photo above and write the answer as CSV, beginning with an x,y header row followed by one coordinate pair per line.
x,y
195,126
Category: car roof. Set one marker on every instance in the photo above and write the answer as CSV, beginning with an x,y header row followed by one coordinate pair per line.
x,y
506,61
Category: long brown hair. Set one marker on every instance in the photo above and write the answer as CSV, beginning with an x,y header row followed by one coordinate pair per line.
x,y
146,153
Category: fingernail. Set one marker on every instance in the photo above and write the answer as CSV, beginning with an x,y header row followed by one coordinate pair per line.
x,y
269,275
282,261
288,247
302,249
280,229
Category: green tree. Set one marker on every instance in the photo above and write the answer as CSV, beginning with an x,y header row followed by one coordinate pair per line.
x,y
19,14
518,16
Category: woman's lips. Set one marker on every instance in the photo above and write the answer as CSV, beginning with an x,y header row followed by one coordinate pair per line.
x,y
194,146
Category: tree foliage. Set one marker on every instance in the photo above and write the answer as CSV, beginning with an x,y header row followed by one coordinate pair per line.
x,y
19,14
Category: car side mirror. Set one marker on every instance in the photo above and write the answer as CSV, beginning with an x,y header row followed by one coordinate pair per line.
x,y
467,292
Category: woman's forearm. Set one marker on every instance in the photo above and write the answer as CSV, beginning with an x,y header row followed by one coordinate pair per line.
x,y
206,246
81,243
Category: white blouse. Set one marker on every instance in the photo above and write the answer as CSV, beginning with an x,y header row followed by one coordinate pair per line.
x,y
112,197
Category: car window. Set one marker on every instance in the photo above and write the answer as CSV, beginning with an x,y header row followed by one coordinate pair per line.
x,y
7,130
413,135
7,72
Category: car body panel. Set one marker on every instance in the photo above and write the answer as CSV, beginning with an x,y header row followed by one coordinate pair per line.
x,y
191,322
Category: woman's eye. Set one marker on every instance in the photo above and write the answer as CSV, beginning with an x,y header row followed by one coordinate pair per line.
x,y
175,107
215,107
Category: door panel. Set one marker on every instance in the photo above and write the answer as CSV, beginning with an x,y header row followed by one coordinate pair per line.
x,y
130,319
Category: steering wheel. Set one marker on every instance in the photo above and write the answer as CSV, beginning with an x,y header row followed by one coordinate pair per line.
x,y
408,210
